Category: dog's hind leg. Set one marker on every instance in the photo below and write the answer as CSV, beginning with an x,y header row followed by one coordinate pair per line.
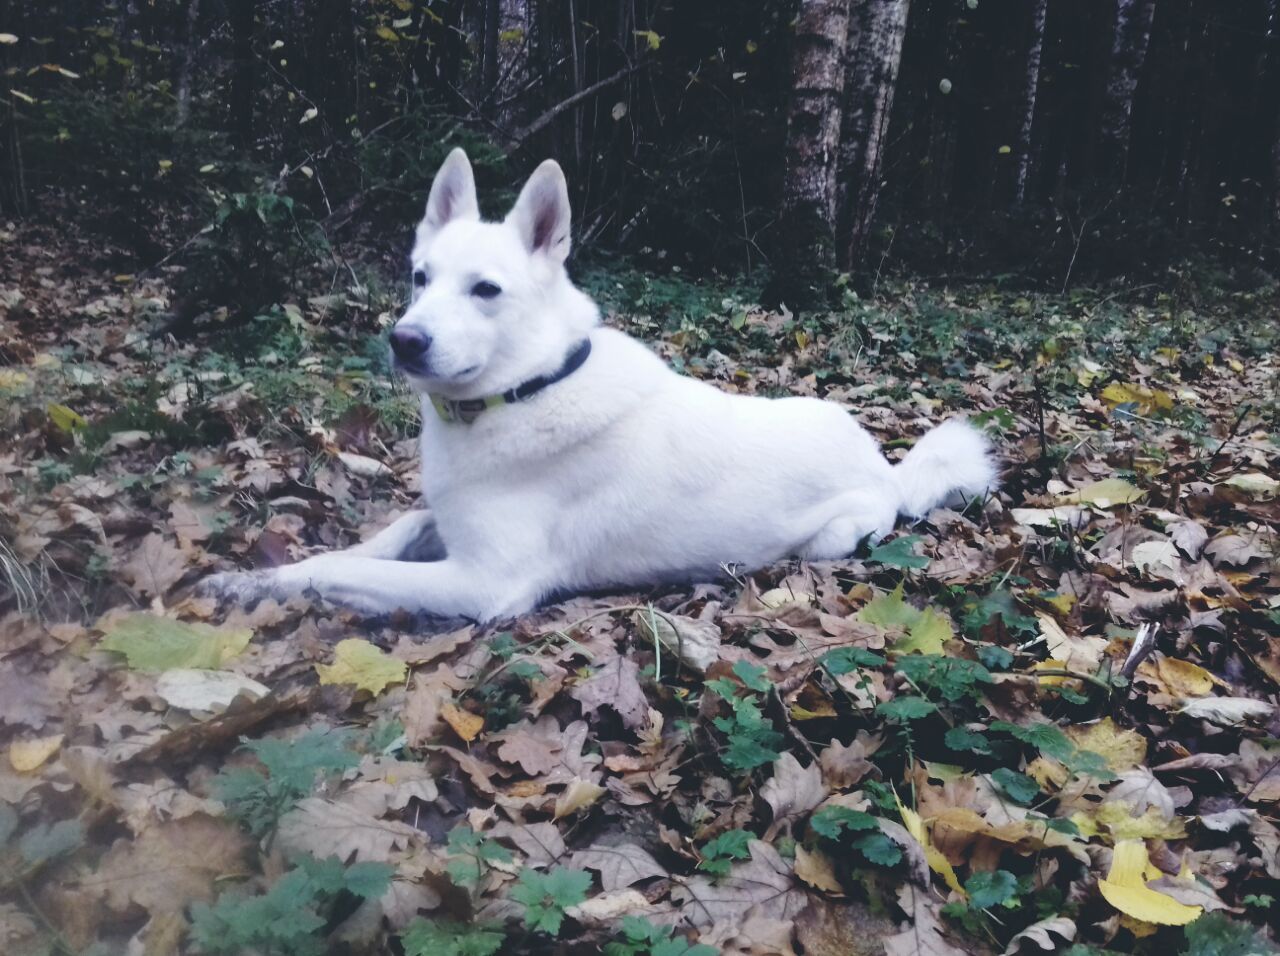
x,y
411,537
447,588
846,521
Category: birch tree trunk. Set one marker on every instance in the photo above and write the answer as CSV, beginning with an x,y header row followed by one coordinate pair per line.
x,y
812,148
510,74
877,29
1130,37
1030,88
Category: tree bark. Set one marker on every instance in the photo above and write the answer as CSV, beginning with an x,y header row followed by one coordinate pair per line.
x,y
877,29
511,74
1130,36
244,76
1030,88
812,147
187,68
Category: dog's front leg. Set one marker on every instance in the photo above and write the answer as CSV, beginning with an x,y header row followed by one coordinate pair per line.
x,y
447,588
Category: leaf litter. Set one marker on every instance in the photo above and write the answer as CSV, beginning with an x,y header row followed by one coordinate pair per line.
x,y
953,741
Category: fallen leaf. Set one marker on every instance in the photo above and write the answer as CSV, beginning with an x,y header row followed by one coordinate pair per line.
x,y
1122,749
926,631
1125,888
28,755
578,795
619,866
464,723
937,862
1042,934
815,868
617,685
793,790
363,664
1227,711
152,643
1105,494
327,828
1255,483
156,565
201,691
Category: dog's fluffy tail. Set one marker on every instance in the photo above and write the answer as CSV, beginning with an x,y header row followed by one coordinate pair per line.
x,y
949,465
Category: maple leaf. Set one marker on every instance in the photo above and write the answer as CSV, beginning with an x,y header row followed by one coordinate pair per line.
x,y
926,631
156,565
152,643
363,664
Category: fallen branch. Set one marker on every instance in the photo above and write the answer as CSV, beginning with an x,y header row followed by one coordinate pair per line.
x,y
547,118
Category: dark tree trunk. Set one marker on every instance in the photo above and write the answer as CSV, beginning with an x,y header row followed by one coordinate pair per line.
x,y
1027,110
1131,34
186,67
507,96
877,29
244,76
807,248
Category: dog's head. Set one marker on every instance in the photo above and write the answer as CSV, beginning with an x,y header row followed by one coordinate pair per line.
x,y
492,305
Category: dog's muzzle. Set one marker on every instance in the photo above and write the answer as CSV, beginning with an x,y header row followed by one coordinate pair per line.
x,y
409,347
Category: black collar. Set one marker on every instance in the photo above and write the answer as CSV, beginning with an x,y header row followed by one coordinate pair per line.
x,y
468,410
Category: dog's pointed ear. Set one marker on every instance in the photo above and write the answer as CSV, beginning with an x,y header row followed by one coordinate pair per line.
x,y
453,195
541,214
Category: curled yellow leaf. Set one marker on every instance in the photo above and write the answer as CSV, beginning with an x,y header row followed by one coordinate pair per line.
x,y
937,862
1125,888
27,755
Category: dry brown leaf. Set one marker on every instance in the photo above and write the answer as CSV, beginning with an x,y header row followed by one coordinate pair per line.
x,y
155,565
327,828
464,723
535,747
170,865
619,866
815,868
765,883
793,790
616,684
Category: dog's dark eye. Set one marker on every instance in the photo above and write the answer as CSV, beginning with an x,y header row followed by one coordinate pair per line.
x,y
419,279
486,290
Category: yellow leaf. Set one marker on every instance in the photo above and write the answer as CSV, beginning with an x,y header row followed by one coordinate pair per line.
x,y
361,663
1104,494
66,420
580,793
1148,400
650,37
1117,816
388,34
9,379
7,39
27,755
937,862
464,723
1125,888
1178,677
22,96
1122,749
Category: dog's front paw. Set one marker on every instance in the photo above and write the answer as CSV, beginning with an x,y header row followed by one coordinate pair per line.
x,y
237,587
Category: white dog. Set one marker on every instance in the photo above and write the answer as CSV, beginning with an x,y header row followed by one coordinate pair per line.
x,y
560,456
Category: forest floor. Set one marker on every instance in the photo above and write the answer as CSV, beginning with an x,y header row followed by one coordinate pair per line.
x,y
1048,722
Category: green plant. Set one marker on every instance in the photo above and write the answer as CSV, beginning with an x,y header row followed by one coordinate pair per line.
x,y
833,823
426,937
718,853
259,798
470,855
752,740
641,938
1215,935
289,918
986,890
547,895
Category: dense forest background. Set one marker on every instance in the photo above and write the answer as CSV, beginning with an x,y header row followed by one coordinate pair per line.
x,y
788,141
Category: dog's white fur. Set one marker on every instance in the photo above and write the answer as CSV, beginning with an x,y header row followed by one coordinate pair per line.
x,y
624,473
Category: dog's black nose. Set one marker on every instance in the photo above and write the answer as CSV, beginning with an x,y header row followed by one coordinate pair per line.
x,y
409,344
